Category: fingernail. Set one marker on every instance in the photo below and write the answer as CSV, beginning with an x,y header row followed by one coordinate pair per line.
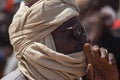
x,y
96,46
110,62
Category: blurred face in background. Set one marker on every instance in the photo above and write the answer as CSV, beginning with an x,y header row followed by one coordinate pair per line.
x,y
93,28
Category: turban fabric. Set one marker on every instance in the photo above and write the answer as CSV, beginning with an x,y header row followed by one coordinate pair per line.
x,y
30,35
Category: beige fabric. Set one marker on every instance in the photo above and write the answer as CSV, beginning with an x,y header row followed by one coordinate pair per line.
x,y
34,46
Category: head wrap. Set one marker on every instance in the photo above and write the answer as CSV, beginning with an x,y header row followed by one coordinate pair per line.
x,y
30,34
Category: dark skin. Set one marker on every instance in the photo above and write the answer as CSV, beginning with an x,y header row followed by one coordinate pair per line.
x,y
101,65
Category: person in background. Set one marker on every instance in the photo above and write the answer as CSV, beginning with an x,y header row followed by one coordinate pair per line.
x,y
12,62
99,27
5,47
6,15
94,24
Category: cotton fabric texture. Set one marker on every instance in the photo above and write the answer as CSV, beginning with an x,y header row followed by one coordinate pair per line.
x,y
30,35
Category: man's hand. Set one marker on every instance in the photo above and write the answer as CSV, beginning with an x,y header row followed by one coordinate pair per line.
x,y
101,65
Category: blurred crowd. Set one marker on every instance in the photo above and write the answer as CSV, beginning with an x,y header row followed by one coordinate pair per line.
x,y
7,9
100,18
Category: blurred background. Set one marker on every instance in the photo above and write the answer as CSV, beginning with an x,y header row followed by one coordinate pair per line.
x,y
101,19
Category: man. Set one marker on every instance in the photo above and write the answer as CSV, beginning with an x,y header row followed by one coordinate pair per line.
x,y
48,41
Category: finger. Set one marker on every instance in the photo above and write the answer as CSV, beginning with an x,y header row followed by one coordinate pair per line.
x,y
96,51
90,73
111,59
104,53
87,51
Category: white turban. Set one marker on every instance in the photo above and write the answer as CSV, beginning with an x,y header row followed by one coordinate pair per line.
x,y
30,35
